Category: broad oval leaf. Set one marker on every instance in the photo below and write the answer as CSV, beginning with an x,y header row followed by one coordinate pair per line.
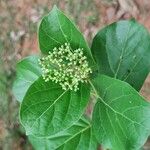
x,y
77,137
56,29
47,109
121,117
28,71
122,50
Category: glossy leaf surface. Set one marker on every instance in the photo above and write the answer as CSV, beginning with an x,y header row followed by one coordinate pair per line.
x,y
77,137
122,50
47,109
121,116
56,30
28,70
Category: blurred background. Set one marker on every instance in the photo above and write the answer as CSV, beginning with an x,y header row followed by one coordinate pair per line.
x,y
18,38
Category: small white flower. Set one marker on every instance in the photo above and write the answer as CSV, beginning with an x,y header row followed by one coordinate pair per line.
x,y
66,66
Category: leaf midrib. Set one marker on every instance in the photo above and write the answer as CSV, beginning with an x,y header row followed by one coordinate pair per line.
x,y
116,112
83,130
48,108
122,53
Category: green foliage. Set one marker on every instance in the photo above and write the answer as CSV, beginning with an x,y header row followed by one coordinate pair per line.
x,y
79,136
56,29
28,71
122,51
121,115
53,116
48,109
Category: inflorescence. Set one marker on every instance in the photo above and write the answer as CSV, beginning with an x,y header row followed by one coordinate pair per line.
x,y
66,66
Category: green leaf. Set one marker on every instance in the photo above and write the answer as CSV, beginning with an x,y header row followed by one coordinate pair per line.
x,y
47,109
56,30
77,137
28,70
122,50
121,117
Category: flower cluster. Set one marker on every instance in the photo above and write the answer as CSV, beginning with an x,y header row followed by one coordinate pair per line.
x,y
66,66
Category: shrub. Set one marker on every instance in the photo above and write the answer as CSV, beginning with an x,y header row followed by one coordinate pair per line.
x,y
55,88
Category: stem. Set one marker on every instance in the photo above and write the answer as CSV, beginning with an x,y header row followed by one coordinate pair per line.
x,y
96,94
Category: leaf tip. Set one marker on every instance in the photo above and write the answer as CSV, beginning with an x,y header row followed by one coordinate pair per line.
x,y
55,7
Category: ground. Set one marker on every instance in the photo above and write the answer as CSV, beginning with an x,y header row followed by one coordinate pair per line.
x,y
18,34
